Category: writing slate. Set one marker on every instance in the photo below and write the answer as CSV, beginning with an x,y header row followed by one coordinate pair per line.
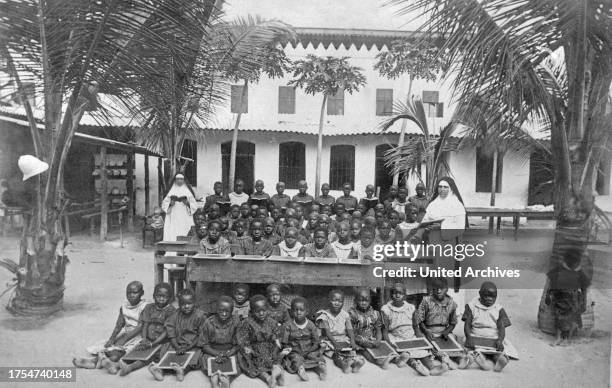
x,y
412,344
343,346
171,358
383,350
141,355
483,343
227,366
447,345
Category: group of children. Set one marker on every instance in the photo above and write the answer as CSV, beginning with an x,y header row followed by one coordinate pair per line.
x,y
267,338
325,226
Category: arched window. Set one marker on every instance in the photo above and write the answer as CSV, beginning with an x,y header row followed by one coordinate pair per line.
x,y
245,158
291,163
341,166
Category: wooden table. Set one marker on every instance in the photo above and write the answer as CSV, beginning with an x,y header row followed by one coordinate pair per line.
x,y
181,249
516,214
8,221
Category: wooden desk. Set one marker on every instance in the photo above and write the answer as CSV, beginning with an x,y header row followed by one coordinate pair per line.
x,y
516,214
160,258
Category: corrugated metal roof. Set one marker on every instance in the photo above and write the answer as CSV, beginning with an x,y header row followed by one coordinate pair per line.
x,y
336,37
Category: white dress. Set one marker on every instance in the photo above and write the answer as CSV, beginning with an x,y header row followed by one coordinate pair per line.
x,y
179,218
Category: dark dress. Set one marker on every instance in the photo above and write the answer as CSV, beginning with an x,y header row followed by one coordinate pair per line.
x,y
261,248
186,330
221,336
305,346
261,337
155,318
279,313
567,299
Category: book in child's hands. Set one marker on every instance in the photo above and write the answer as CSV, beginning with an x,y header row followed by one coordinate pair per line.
x,y
412,344
447,345
227,366
172,358
383,350
141,355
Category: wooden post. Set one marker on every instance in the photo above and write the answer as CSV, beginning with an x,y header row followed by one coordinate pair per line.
x,y
320,147
493,189
146,184
129,185
160,181
103,195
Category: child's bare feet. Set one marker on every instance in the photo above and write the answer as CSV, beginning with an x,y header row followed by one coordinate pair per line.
x,y
501,363
385,363
101,357
465,361
450,363
87,363
110,366
269,380
224,381
214,381
419,367
278,375
481,361
301,372
438,370
156,372
357,364
322,372
402,360
180,372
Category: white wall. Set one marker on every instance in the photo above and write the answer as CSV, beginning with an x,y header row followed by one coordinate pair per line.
x,y
139,184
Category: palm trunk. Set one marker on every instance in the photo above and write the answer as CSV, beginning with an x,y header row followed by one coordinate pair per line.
x,y
232,166
493,187
402,135
320,147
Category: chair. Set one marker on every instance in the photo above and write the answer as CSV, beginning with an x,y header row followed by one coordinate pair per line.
x,y
176,278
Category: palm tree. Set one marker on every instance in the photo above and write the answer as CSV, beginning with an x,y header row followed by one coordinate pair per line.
x,y
326,75
262,55
547,62
418,59
72,50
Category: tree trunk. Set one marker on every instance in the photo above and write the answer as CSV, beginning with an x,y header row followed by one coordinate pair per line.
x,y
320,147
493,187
402,135
232,166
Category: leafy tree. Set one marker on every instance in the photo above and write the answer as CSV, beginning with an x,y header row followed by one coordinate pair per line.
x,y
327,76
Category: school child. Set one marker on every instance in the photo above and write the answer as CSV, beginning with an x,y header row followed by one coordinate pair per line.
x,y
379,207
320,247
276,214
225,231
199,218
259,340
262,214
301,343
242,306
384,234
339,210
276,310
254,212
200,234
269,231
300,216
379,217
394,220
218,340
369,201
343,246
391,196
367,326
238,196
214,244
326,210
292,223
245,211
436,317
325,199
214,212
125,335
183,328
350,203
484,317
365,251
259,197
311,226
280,199
290,246
324,223
399,204
336,327
355,231
302,198
239,227
234,213
157,219
153,332
410,227
420,200
256,245
215,198
315,208
567,295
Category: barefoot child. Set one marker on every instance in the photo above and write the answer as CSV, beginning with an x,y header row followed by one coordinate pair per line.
x,y
258,337
300,341
152,321
242,306
397,317
336,328
125,335
219,340
367,325
183,329
276,310
485,318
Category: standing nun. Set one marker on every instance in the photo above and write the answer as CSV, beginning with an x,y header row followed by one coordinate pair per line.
x,y
179,205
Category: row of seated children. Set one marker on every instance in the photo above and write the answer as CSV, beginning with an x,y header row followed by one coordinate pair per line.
x,y
267,339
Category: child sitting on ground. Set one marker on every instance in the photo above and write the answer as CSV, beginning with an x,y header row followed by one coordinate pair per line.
x,y
214,244
259,340
320,247
242,306
485,318
436,317
183,329
397,317
367,325
276,310
336,328
256,245
300,341
125,335
219,340
290,246
152,320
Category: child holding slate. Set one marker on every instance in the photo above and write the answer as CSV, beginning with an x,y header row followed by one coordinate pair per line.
x,y
219,344
125,335
152,321
336,328
485,329
183,329
397,316
367,325
300,341
259,340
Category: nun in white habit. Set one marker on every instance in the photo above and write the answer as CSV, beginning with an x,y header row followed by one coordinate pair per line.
x,y
179,206
447,205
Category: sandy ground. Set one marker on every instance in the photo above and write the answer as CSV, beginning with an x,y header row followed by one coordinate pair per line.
x,y
98,273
